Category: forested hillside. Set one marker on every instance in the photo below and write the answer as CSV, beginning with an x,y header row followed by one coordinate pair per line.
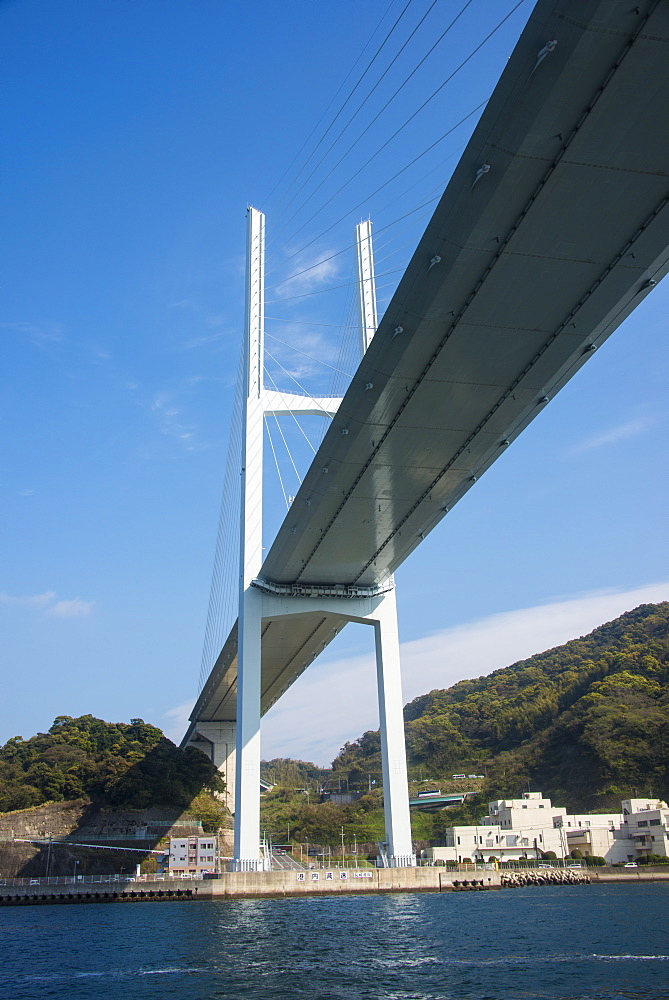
x,y
587,722
118,764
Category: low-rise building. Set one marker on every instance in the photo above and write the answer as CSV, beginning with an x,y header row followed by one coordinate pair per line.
x,y
192,855
532,812
646,822
531,826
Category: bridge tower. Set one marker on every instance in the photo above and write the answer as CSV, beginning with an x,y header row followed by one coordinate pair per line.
x,y
256,602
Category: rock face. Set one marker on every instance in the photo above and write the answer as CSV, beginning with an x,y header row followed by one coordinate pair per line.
x,y
73,824
57,819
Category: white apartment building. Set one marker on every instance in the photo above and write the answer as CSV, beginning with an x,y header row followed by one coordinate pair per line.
x,y
516,829
601,835
532,812
646,822
192,855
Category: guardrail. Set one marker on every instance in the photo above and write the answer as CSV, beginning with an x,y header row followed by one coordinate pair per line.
x,y
96,879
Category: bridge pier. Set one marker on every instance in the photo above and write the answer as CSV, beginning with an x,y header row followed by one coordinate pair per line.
x,y
378,610
247,783
393,748
218,741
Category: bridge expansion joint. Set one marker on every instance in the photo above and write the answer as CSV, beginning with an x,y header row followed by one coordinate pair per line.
x,y
322,589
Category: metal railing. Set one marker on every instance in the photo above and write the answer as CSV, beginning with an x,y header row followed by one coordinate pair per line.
x,y
95,879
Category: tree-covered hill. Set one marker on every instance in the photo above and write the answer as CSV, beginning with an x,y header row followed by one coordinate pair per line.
x,y
118,764
587,722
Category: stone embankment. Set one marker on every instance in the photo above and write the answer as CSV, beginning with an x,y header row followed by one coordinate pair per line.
x,y
553,876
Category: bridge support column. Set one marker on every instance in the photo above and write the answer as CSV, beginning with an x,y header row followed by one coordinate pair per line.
x,y
247,785
393,749
217,740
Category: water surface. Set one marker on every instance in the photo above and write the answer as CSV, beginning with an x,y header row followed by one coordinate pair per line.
x,y
562,943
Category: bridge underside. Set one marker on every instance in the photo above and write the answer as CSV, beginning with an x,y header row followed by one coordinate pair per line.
x,y
524,270
289,644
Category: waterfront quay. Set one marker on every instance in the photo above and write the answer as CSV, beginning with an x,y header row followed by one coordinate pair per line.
x,y
240,885
249,885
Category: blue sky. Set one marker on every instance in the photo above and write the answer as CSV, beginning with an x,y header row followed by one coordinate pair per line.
x,y
136,133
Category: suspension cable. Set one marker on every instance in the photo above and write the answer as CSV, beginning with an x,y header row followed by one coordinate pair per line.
x,y
276,461
318,361
357,112
341,109
384,108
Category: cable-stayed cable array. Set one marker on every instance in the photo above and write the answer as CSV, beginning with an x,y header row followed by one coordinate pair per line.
x,y
397,132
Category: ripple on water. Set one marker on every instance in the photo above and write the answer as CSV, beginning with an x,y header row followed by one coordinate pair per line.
x,y
539,944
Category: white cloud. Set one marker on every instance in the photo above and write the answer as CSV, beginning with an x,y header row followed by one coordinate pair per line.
x,y
30,601
310,273
170,418
76,608
623,432
178,724
335,700
39,334
47,603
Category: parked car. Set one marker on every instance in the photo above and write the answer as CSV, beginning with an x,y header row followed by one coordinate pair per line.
x,y
631,864
575,864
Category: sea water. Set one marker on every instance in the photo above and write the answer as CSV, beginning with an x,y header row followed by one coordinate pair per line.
x,y
600,942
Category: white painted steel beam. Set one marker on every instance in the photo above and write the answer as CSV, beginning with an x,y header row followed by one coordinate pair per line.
x,y
279,404
247,777
367,315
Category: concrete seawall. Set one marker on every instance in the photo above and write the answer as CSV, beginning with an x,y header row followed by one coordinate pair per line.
x,y
258,885
240,885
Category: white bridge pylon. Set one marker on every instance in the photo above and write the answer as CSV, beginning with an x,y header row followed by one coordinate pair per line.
x,y
257,605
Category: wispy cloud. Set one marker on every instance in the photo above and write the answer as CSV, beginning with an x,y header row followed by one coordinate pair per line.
x,y
335,700
207,338
76,608
177,725
40,334
621,432
30,601
299,352
170,418
310,272
48,604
